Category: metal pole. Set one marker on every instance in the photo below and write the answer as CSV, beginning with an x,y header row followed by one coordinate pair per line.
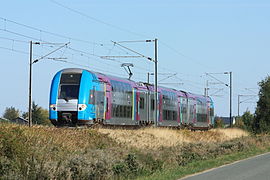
x,y
238,105
231,99
156,86
30,88
206,89
148,99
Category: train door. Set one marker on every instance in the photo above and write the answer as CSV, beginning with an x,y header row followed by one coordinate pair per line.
x,y
194,112
191,113
152,108
142,106
108,102
184,110
179,116
208,113
100,102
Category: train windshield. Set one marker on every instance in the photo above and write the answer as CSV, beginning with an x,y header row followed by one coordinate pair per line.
x,y
69,86
69,91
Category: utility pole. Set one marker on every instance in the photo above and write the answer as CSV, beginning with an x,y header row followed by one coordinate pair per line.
x,y
231,98
156,85
230,86
150,59
30,84
238,109
148,98
30,88
30,75
206,89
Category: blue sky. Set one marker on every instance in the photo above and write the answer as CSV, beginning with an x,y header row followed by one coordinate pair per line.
x,y
194,37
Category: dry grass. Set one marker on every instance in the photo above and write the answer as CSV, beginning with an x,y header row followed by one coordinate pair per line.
x,y
154,138
70,139
231,133
147,138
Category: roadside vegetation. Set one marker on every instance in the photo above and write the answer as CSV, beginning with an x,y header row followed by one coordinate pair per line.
x,y
44,152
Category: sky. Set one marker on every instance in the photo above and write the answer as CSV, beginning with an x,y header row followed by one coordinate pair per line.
x,y
195,38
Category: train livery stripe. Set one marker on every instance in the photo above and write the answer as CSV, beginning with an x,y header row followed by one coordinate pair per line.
x,y
133,104
54,94
105,101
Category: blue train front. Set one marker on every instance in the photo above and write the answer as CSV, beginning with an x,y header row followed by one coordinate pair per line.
x,y
70,97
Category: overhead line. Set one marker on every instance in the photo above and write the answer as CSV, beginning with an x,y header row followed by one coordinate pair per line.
x,y
97,20
14,40
19,34
15,50
181,54
75,39
51,33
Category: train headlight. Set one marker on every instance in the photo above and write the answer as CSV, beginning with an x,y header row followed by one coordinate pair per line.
x,y
53,107
82,107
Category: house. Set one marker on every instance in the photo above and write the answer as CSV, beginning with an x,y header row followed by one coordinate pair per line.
x,y
4,120
20,120
226,120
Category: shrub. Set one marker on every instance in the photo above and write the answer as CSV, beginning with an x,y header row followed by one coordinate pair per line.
x,y
218,123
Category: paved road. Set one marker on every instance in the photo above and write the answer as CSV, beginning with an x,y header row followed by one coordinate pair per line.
x,y
256,168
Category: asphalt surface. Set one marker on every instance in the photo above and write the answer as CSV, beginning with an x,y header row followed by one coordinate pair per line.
x,y
255,168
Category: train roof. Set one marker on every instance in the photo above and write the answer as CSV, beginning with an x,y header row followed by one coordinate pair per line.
x,y
140,85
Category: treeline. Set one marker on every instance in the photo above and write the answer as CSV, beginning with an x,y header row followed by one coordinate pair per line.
x,y
259,122
39,115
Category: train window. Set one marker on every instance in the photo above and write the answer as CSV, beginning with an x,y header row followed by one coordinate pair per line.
x,y
141,103
211,111
129,112
69,91
92,96
113,110
121,111
174,115
164,114
152,104
70,78
117,113
118,86
170,115
107,105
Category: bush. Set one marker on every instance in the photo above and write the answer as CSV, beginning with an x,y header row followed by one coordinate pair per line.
x,y
127,168
245,122
219,122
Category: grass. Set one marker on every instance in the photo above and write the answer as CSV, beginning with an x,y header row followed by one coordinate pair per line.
x,y
154,138
200,166
150,153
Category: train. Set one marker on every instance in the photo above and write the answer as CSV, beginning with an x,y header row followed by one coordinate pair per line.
x,y
81,97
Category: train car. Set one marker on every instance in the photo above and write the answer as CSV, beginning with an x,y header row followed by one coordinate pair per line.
x,y
71,97
169,108
82,97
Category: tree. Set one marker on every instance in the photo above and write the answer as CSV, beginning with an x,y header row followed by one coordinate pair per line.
x,y
11,113
262,114
39,115
246,121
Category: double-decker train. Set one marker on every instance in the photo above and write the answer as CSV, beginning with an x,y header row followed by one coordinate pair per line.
x,y
83,97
